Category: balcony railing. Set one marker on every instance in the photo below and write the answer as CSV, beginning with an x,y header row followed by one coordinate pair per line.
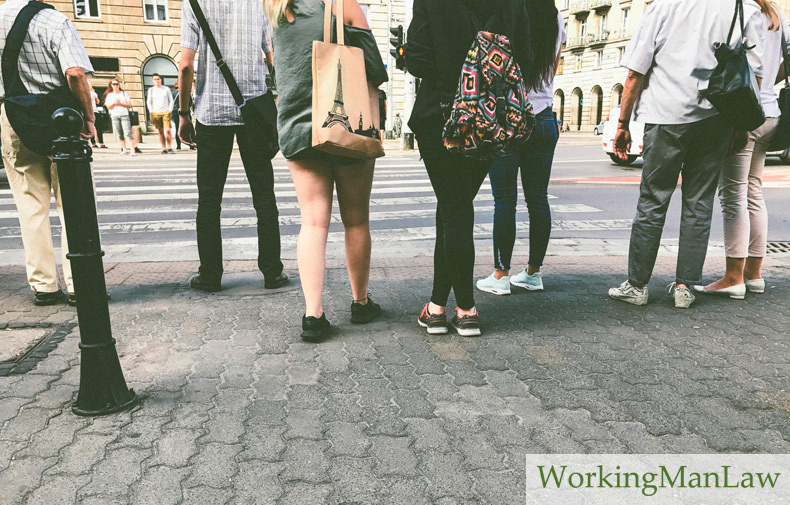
x,y
580,6
600,4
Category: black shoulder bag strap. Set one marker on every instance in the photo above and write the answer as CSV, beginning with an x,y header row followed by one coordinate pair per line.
x,y
738,15
221,64
15,39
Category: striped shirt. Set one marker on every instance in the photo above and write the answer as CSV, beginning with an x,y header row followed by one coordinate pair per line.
x,y
51,46
242,33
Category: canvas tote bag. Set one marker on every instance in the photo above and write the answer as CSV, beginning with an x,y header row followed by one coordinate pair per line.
x,y
343,116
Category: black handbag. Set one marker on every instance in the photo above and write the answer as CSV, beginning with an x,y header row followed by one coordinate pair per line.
x,y
733,88
30,114
259,113
781,139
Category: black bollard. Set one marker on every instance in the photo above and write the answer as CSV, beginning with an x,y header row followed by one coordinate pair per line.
x,y
103,388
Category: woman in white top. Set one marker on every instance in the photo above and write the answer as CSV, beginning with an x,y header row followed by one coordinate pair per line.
x,y
741,186
118,103
547,33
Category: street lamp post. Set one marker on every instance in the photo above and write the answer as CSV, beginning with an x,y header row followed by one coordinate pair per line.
x,y
103,388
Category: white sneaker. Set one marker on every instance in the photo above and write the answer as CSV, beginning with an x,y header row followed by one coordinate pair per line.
x,y
683,296
532,282
627,292
737,292
495,286
755,286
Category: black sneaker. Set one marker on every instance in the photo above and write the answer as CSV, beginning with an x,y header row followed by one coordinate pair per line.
x,y
201,284
278,282
436,324
137,150
43,299
164,151
315,329
362,314
170,151
466,326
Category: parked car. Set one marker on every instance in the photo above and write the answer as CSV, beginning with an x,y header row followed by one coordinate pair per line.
x,y
600,128
610,130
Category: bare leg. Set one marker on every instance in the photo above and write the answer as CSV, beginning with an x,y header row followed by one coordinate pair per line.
x,y
354,183
732,277
753,269
162,138
314,187
169,135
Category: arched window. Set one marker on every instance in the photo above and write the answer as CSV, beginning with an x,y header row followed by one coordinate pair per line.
x,y
163,66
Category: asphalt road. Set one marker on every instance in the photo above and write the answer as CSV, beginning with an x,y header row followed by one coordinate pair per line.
x,y
147,205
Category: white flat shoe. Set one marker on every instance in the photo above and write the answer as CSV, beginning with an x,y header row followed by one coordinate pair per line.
x,y
755,286
737,292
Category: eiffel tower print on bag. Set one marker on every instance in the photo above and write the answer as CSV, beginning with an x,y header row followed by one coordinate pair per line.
x,y
491,114
344,109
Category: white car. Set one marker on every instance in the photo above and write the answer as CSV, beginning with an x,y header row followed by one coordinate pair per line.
x,y
637,138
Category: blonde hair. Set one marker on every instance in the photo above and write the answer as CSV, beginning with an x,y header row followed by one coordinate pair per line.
x,y
770,10
275,10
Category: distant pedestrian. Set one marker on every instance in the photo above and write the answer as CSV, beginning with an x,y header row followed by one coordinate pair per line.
x,y
100,114
160,103
741,185
547,32
118,102
298,24
684,134
397,127
440,35
174,115
51,56
242,34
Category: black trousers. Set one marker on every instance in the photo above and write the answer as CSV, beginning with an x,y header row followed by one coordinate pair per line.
x,y
456,181
176,124
215,149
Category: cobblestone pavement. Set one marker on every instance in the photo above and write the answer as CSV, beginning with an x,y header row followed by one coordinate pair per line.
x,y
238,410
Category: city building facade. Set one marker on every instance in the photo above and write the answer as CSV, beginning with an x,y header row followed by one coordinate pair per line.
x,y
590,79
131,40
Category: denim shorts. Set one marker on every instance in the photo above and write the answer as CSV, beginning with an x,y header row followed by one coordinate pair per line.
x,y
122,127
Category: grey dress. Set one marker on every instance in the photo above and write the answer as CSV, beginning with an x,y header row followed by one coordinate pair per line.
x,y
293,60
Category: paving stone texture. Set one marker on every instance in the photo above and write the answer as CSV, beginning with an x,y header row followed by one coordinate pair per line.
x,y
237,410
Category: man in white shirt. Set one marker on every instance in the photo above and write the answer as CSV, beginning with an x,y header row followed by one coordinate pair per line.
x,y
670,59
160,103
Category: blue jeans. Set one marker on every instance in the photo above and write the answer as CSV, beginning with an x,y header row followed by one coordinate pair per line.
x,y
535,160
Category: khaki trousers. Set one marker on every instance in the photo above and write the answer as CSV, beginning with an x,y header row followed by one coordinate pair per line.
x,y
33,179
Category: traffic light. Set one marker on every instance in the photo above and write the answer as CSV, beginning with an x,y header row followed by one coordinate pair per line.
x,y
399,51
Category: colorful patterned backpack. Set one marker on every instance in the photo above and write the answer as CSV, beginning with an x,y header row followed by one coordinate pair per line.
x,y
491,114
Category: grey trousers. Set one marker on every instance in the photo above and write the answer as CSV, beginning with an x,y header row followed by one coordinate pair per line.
x,y
696,151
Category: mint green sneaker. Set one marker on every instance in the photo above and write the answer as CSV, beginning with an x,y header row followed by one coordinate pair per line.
x,y
495,286
532,282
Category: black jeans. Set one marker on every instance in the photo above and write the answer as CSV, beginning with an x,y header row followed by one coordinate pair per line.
x,y
456,181
535,160
215,148
696,151
176,124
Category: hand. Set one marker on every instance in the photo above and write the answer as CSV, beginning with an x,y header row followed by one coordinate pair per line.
x,y
88,130
739,141
186,131
622,143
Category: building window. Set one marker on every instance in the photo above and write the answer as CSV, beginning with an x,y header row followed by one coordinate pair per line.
x,y
583,31
86,9
564,44
566,5
155,10
603,27
579,60
561,68
622,55
625,30
598,59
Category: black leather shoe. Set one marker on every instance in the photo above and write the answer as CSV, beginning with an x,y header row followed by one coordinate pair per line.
x,y
362,314
43,299
73,299
201,284
278,282
315,329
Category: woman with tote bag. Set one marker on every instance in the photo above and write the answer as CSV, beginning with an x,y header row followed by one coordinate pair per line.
x,y
741,186
334,147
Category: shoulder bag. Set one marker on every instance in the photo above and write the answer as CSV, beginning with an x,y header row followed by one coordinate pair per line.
x,y
733,88
30,114
781,139
259,113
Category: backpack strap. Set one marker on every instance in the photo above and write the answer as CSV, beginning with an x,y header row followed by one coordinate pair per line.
x,y
16,38
479,26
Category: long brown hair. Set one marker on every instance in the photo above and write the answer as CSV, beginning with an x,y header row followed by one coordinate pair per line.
x,y
771,11
109,88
